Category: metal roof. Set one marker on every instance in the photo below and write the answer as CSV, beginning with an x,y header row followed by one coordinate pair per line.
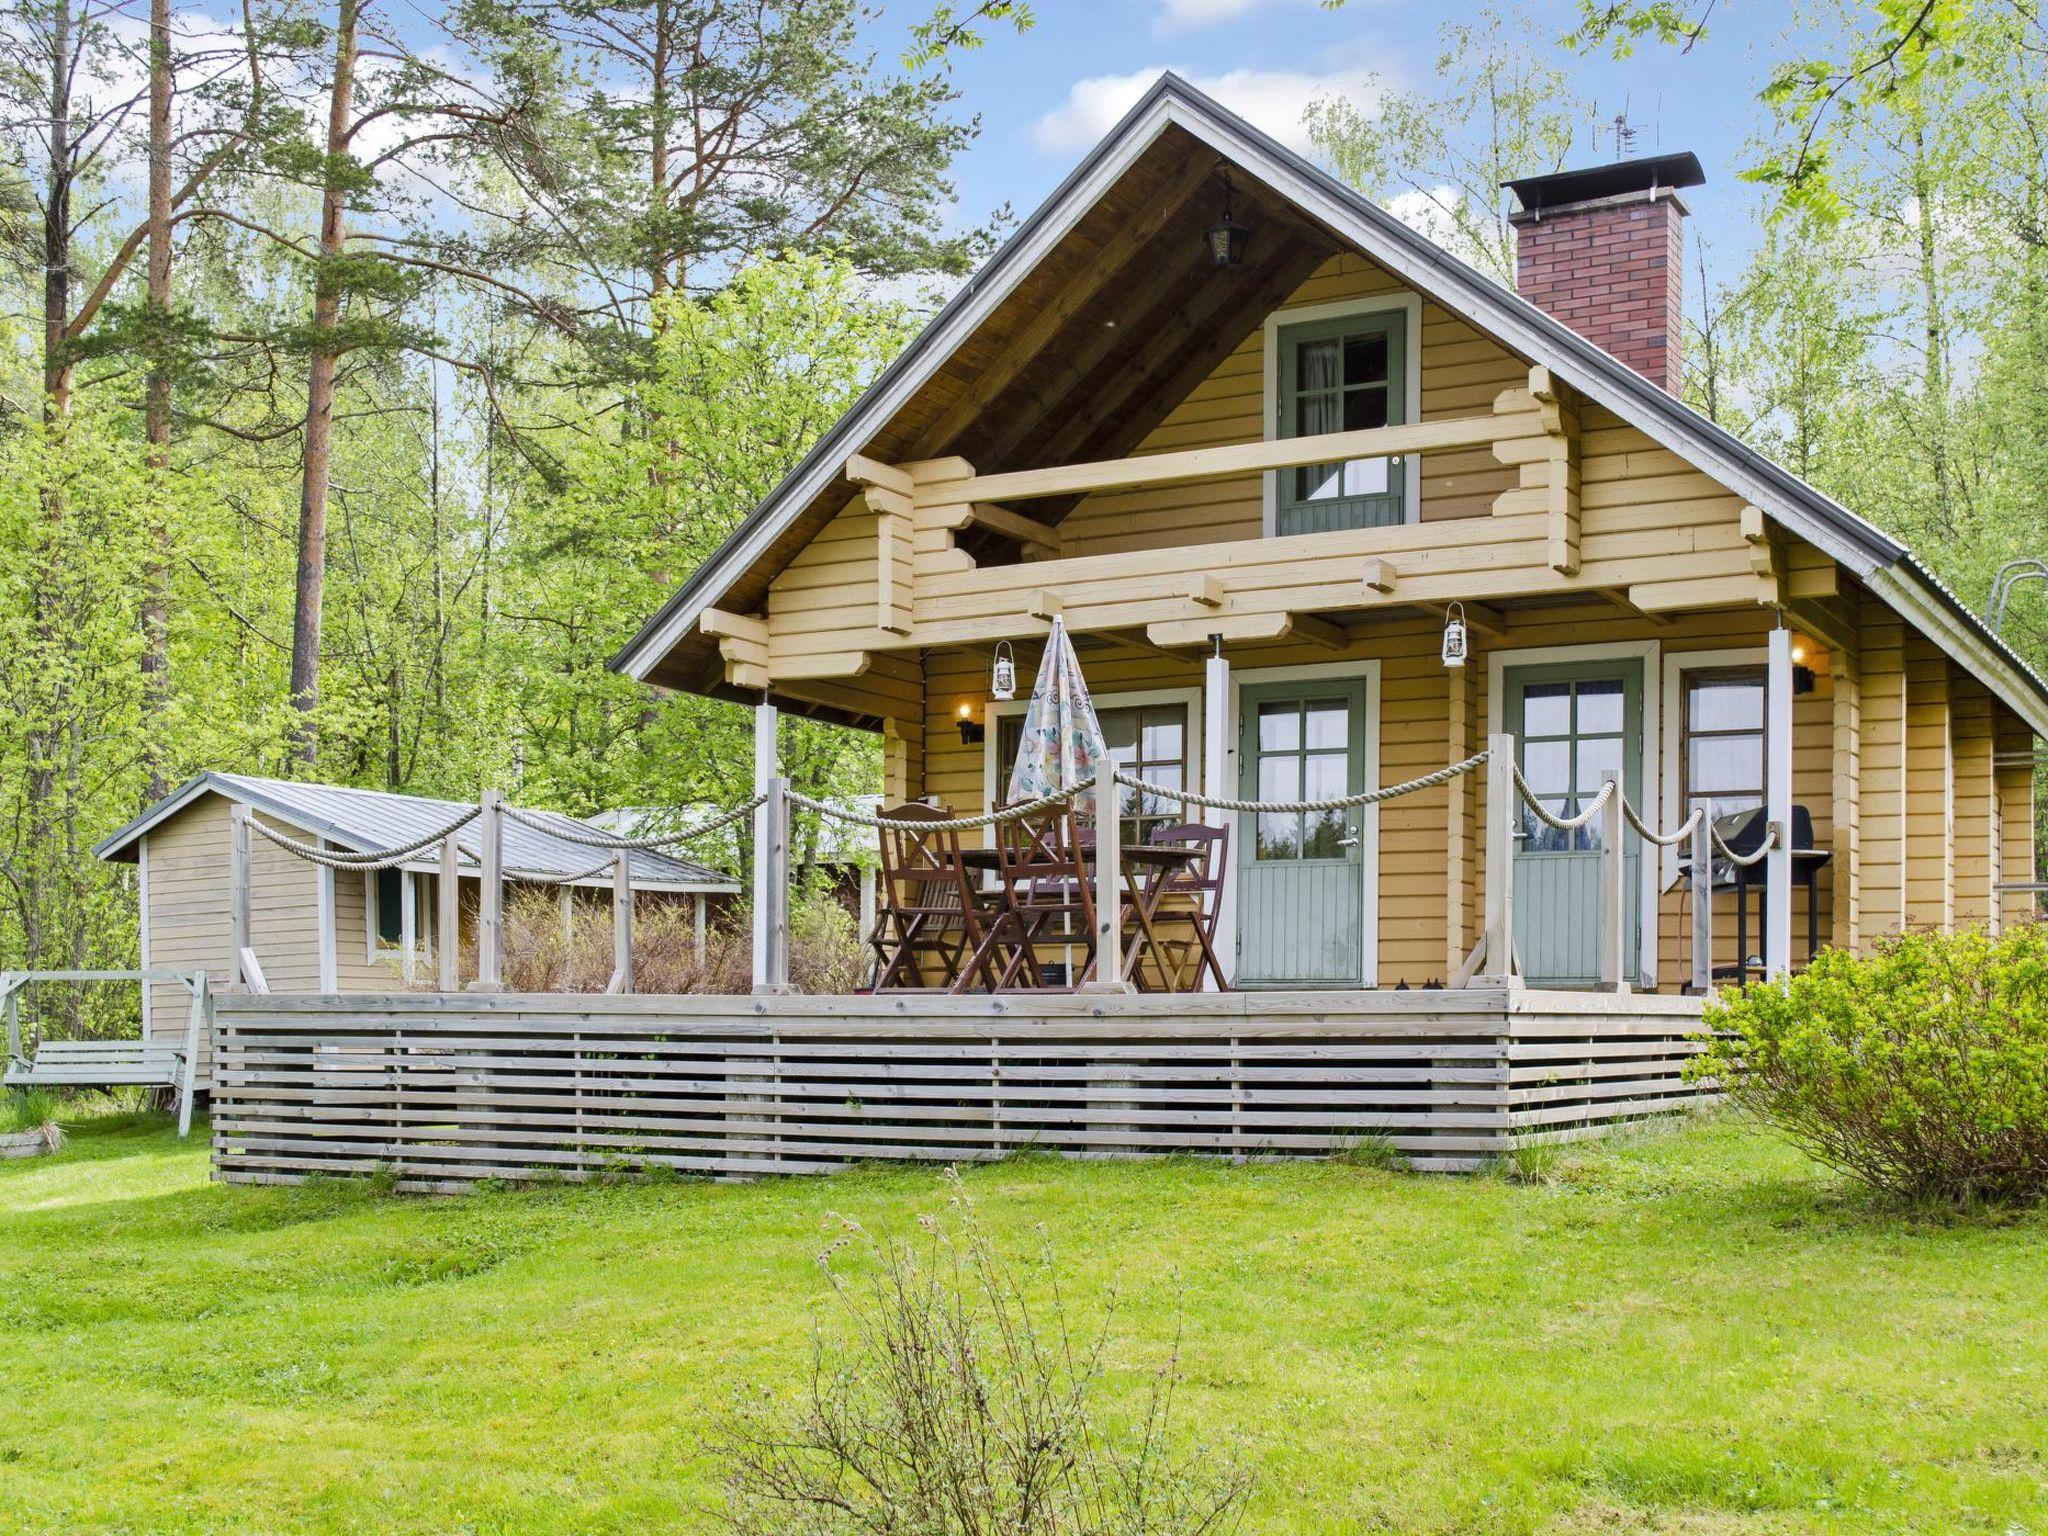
x,y
366,820
1872,555
1647,173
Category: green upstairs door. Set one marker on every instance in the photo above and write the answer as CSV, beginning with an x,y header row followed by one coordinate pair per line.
x,y
1571,724
1301,875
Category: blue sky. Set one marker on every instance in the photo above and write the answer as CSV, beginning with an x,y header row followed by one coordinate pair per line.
x,y
1045,96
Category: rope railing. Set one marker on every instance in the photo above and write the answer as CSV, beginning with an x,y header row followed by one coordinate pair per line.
x,y
1288,807
951,824
1742,860
1670,839
367,859
631,844
1562,823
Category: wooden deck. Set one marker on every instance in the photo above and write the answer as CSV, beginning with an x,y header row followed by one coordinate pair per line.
x,y
444,1090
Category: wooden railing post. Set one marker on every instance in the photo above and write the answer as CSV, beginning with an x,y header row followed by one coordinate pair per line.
x,y
767,765
1500,857
1778,805
1613,888
772,920
448,915
490,915
238,887
11,987
622,922
1109,880
1702,906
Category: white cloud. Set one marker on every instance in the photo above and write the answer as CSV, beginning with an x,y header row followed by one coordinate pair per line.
x,y
1428,213
1272,99
1203,13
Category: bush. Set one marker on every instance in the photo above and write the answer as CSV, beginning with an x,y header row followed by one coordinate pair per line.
x,y
962,1401
1920,1068
825,952
27,1109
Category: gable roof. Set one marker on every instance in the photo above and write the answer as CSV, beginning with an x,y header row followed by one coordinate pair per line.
x,y
1881,562
365,820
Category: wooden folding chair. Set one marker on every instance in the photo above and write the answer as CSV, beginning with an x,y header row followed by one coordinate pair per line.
x,y
930,918
1047,897
1182,939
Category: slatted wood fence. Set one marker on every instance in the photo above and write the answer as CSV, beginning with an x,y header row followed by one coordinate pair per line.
x,y
443,1090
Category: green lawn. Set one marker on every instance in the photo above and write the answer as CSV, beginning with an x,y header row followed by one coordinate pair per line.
x,y
1693,1331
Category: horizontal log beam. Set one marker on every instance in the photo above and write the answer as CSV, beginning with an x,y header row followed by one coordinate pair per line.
x,y
1234,459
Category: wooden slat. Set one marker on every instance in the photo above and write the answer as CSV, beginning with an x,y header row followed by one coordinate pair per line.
x,y
441,1091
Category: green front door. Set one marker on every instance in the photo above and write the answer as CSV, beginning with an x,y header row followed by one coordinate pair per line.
x,y
1572,723
1301,875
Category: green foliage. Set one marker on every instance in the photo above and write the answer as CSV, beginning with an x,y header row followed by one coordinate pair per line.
x,y
1920,1068
27,1109
962,1399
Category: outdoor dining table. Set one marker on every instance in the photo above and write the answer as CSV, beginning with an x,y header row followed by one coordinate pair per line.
x,y
1147,870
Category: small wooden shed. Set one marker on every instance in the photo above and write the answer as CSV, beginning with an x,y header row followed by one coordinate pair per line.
x,y
319,930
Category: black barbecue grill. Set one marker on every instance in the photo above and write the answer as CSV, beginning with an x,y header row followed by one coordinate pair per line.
x,y
1742,832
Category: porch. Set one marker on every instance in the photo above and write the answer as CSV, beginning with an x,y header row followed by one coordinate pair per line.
x,y
444,1090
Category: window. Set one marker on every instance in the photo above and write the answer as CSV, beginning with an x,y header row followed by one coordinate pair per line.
x,y
1149,741
1722,755
1573,734
1346,374
384,911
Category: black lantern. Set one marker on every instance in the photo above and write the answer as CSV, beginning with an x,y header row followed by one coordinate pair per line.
x,y
1226,238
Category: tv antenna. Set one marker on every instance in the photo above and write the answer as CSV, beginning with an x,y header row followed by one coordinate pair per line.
x,y
1624,132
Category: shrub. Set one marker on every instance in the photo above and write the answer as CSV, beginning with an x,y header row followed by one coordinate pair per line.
x,y
1920,1068
540,955
963,1401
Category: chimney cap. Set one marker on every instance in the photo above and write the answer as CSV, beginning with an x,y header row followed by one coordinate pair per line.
x,y
1563,189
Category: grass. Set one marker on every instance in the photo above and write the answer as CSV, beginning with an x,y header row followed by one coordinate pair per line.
x,y
1694,1331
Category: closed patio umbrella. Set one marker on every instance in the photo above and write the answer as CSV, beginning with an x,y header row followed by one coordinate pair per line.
x,y
1062,742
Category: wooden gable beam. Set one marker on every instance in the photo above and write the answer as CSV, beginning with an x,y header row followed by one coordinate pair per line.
x,y
1542,445
1093,278
742,646
1184,347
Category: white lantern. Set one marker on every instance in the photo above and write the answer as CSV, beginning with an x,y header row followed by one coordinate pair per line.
x,y
1004,684
1454,635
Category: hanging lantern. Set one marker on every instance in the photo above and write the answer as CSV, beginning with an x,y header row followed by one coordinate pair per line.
x,y
1003,685
1226,238
1454,635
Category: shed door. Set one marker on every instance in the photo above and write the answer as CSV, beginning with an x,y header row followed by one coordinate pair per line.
x,y
1301,879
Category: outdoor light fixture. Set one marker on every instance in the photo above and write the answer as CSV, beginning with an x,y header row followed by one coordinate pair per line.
x,y
1003,685
1226,238
1454,635
971,730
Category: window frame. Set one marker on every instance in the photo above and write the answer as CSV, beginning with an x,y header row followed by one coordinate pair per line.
x,y
999,712
1673,666
1280,321
374,946
1688,678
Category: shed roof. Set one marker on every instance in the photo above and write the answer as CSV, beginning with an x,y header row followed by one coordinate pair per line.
x,y
366,820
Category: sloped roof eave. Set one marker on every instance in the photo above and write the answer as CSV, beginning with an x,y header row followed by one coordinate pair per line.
x,y
1864,549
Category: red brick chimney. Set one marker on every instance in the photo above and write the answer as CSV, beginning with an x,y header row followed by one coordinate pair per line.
x,y
1602,250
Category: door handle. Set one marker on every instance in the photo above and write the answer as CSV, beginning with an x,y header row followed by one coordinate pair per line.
x,y
1349,842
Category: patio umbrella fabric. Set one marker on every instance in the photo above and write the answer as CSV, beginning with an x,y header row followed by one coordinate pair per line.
x,y
1062,742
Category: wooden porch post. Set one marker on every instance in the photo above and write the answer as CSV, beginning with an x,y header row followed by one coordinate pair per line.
x,y
1778,806
1109,881
622,922
767,763
1500,858
1216,778
771,900
1613,889
448,915
490,919
408,926
1702,907
702,925
238,889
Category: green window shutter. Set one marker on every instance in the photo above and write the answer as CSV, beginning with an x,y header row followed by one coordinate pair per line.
x,y
1345,374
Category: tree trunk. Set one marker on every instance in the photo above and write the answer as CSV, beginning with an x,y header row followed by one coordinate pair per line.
x,y
319,436
57,220
156,659
1934,384
657,175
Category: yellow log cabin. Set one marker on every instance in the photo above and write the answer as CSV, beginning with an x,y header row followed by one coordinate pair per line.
x,y
1257,465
